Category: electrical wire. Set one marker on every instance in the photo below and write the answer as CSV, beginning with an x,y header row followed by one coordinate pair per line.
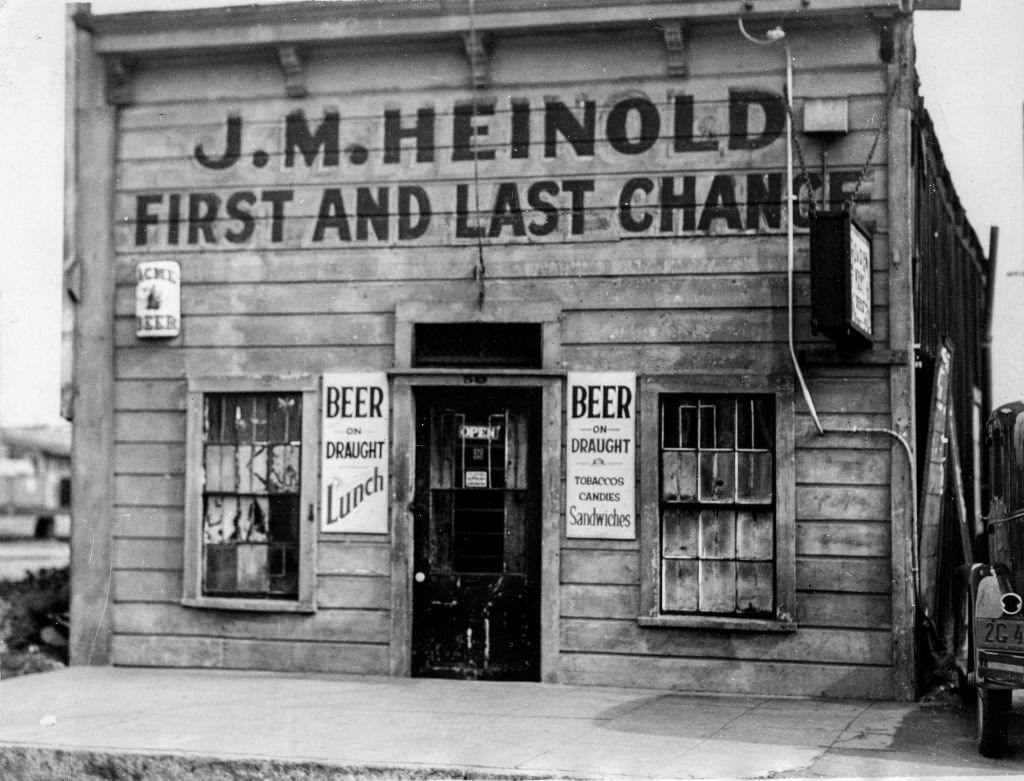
x,y
775,35
480,271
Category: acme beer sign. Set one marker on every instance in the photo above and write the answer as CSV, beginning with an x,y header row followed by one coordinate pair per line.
x,y
513,169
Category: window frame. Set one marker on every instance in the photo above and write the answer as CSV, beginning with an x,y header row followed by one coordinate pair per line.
x,y
652,388
192,589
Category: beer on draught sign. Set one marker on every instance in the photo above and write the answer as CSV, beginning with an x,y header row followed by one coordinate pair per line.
x,y
601,455
157,299
354,457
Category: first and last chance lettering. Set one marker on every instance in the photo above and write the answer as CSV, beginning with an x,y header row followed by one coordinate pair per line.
x,y
516,208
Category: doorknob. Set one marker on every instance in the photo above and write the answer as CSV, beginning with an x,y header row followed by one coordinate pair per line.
x,y
419,577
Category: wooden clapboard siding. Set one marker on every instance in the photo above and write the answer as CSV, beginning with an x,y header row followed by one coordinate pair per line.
x,y
633,257
600,601
653,303
259,330
150,522
249,654
149,490
353,591
166,166
348,558
843,538
854,503
149,426
148,363
821,645
752,677
708,291
151,458
152,585
348,626
762,325
843,467
576,293
846,574
865,611
600,566
150,395
146,553
833,609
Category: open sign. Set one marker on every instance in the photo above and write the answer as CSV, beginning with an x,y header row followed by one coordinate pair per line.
x,y
479,432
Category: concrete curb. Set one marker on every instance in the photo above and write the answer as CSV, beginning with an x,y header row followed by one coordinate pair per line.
x,y
47,763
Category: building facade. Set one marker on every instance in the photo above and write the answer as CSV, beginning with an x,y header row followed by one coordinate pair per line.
x,y
462,339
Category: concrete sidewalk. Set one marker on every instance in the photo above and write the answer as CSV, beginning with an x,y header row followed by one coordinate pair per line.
x,y
185,723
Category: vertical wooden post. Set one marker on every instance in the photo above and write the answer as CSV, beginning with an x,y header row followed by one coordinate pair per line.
x,y
901,339
94,124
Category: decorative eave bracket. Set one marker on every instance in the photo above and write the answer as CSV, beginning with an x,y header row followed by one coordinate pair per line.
x,y
478,53
118,87
294,72
675,33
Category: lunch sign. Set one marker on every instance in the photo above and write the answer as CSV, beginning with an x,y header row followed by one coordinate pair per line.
x,y
354,456
515,169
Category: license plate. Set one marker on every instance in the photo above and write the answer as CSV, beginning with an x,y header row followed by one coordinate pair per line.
x,y
1001,633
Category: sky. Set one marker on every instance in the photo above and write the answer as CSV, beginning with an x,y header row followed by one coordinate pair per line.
x,y
971,65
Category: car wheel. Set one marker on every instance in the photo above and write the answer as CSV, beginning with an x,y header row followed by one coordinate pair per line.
x,y
993,720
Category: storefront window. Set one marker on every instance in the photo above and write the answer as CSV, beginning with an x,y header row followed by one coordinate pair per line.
x,y
717,505
252,448
250,509
717,528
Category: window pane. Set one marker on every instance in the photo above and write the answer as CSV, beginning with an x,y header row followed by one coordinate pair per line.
x,y
211,467
717,534
717,423
678,585
251,461
260,419
764,424
283,525
679,534
253,576
219,575
755,586
214,407
678,476
284,469
754,478
755,535
220,521
285,418
717,586
283,565
717,552
718,477
252,519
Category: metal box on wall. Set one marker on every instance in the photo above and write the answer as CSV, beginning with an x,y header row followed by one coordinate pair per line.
x,y
841,290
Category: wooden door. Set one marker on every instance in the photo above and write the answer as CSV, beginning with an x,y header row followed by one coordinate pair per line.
x,y
476,583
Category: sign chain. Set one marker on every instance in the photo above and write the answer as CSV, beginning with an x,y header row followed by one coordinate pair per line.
x,y
883,128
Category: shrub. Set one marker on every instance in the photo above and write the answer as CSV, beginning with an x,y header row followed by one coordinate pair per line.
x,y
34,620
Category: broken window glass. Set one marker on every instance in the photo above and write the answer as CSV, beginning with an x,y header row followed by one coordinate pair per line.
x,y
251,479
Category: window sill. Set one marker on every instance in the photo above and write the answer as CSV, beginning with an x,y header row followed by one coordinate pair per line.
x,y
719,622
249,605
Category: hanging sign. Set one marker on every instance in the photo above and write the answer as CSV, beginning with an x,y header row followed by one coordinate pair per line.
x,y
354,455
157,299
601,457
860,279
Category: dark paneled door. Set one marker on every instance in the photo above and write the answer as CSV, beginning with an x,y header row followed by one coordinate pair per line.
x,y
476,584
